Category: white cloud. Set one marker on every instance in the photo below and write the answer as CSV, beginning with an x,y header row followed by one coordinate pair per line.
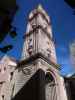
x,y
72,53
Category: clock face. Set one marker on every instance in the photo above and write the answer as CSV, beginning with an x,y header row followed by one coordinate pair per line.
x,y
26,71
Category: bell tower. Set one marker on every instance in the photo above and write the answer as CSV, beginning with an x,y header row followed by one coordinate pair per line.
x,y
38,37
37,76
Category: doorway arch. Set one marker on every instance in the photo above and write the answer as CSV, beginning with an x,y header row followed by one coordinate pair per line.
x,y
50,86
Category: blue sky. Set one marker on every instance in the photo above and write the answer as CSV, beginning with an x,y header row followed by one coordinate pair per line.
x,y
63,26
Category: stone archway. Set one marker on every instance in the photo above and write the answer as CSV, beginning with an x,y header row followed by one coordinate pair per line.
x,y
50,86
55,86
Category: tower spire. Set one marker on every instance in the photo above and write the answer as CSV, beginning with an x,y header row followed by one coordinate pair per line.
x,y
39,7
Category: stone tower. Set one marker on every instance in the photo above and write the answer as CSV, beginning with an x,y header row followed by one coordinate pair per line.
x,y
38,37
37,76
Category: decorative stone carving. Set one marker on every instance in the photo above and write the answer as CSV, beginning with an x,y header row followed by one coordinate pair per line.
x,y
26,71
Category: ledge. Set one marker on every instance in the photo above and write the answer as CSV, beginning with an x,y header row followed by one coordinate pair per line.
x,y
35,57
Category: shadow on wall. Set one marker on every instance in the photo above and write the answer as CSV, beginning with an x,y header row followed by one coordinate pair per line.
x,y
34,89
70,87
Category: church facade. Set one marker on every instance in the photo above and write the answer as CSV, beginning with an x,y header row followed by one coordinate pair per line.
x,y
37,76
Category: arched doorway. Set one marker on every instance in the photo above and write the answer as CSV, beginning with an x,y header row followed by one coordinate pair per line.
x,y
50,87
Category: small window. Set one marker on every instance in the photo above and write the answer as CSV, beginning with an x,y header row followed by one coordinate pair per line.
x,y
4,68
48,52
48,55
0,70
34,26
11,75
30,40
2,97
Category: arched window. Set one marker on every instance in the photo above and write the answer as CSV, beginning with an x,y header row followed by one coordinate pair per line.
x,y
48,78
